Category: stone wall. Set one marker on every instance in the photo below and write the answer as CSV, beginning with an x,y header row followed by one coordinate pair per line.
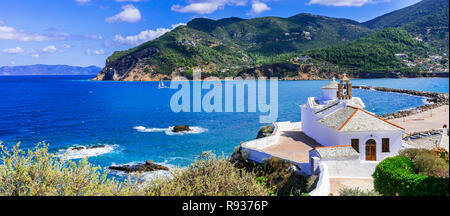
x,y
435,99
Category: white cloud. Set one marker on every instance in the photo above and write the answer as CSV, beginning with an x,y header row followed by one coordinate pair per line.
x,y
10,33
35,55
99,52
348,3
94,37
206,6
258,7
66,46
129,14
130,0
49,49
83,1
200,8
95,52
15,50
144,36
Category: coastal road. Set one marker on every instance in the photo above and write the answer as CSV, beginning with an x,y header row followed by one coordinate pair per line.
x,y
429,120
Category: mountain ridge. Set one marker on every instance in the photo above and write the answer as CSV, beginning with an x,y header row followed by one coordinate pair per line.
x,y
42,69
230,46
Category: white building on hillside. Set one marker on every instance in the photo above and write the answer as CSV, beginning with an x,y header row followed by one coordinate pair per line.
x,y
337,119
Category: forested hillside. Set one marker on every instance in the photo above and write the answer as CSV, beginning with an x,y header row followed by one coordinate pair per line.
x,y
269,46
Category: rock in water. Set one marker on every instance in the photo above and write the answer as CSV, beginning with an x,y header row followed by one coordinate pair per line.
x,y
177,129
148,166
96,146
90,147
77,148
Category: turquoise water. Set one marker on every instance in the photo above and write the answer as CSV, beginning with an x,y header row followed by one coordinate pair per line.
x,y
70,111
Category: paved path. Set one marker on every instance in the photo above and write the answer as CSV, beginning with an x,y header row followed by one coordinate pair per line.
x,y
293,145
337,184
429,142
429,120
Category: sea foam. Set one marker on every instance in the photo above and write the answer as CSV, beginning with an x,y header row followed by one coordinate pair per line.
x,y
70,153
169,130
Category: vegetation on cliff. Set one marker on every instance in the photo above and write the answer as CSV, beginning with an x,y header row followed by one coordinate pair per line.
x,y
266,46
37,172
427,20
281,177
231,45
375,54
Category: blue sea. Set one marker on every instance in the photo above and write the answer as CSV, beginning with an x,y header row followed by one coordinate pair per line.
x,y
133,119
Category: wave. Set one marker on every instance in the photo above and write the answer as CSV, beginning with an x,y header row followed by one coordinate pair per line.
x,y
169,130
78,152
426,101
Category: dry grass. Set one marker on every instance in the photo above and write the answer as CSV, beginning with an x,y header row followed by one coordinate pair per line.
x,y
38,172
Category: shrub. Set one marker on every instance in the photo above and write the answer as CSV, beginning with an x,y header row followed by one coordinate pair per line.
x,y
279,176
209,176
357,192
430,165
265,131
396,176
412,152
40,173
427,162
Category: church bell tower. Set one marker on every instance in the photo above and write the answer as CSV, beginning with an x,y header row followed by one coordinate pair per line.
x,y
344,89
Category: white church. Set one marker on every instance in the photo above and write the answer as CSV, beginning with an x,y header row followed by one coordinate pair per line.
x,y
335,130
339,119
337,139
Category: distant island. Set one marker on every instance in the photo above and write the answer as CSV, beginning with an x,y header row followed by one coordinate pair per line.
x,y
40,69
410,42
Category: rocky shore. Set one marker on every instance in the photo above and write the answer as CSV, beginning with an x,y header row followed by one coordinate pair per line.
x,y
148,166
90,147
435,100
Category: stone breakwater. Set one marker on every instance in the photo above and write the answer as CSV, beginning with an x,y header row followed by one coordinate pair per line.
x,y
435,100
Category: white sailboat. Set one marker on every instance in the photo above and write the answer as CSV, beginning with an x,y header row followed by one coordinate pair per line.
x,y
161,85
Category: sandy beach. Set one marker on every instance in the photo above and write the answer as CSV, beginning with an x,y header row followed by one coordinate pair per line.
x,y
429,120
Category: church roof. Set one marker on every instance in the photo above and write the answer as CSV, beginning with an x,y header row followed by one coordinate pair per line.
x,y
352,118
328,106
337,152
331,85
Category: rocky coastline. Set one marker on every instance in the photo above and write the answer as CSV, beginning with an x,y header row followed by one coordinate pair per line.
x,y
435,100
148,166
84,148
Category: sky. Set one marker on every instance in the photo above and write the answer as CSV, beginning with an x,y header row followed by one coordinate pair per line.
x,y
86,32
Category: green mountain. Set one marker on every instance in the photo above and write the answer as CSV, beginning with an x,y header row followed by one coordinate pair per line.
x,y
267,46
374,55
229,45
427,20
